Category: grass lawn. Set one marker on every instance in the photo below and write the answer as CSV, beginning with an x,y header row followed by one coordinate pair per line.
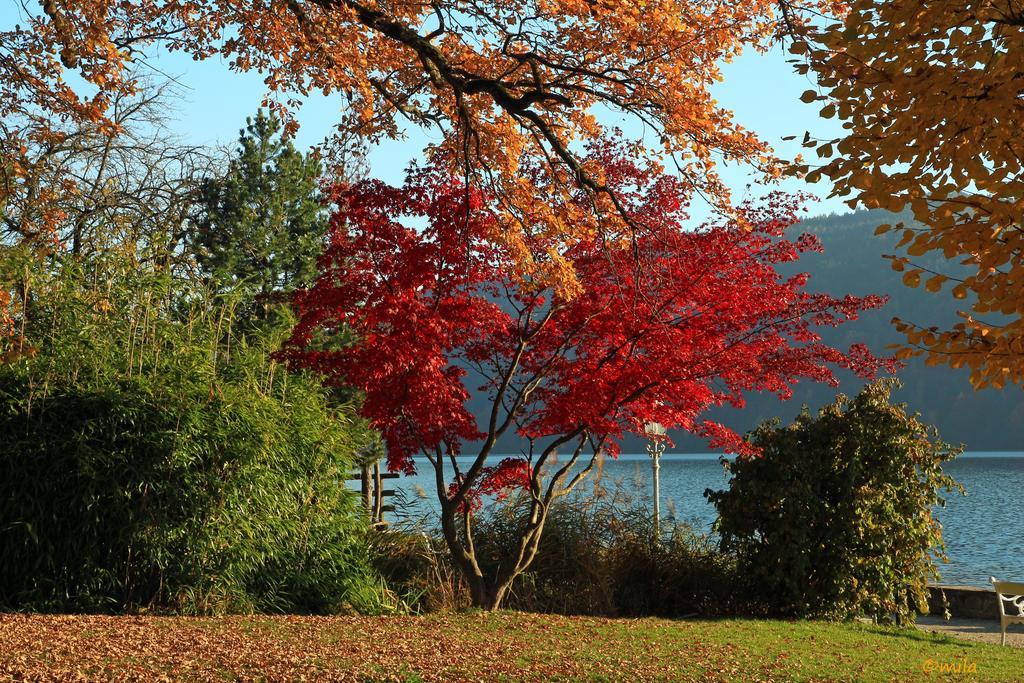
x,y
506,646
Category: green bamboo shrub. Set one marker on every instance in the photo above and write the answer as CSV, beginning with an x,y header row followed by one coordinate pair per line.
x,y
835,519
152,460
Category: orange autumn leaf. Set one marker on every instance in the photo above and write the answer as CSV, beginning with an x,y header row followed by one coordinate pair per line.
x,y
503,82
934,283
930,96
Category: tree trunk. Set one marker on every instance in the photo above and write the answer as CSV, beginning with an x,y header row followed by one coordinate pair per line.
x,y
479,592
488,593
492,598
484,594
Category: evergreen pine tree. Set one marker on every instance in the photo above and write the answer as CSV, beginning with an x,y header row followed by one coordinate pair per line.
x,y
261,225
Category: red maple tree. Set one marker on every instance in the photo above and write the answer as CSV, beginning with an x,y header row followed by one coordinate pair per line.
x,y
667,323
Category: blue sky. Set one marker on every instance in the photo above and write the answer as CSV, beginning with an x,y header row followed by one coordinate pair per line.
x,y
762,90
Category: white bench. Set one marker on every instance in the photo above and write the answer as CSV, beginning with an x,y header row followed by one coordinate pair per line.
x,y
1010,595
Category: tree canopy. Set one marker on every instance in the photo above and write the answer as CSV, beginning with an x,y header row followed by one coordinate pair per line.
x,y
679,321
506,83
930,96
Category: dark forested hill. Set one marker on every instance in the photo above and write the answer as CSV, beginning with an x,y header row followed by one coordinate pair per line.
x,y
852,263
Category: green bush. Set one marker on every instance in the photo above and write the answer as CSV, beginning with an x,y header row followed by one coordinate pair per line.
x,y
152,461
835,520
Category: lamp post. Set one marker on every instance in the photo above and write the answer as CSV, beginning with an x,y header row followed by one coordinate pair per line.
x,y
655,448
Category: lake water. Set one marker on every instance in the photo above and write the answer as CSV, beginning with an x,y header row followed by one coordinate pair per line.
x,y
984,530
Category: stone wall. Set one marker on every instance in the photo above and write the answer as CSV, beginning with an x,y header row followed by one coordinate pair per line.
x,y
966,602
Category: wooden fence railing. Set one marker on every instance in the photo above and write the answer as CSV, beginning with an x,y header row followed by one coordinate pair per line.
x,y
372,491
